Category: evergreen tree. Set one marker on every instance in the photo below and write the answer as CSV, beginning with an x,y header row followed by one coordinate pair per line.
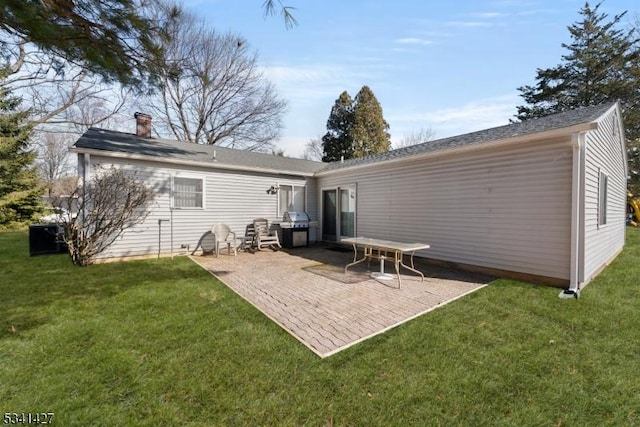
x,y
355,128
19,189
337,142
107,37
602,64
369,131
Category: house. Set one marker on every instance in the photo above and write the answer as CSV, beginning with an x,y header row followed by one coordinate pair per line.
x,y
543,200
196,186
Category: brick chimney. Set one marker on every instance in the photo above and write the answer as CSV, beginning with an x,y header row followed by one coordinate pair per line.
x,y
143,124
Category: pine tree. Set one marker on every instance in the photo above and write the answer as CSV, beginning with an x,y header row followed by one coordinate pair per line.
x,y
369,131
602,64
108,37
356,128
337,143
19,189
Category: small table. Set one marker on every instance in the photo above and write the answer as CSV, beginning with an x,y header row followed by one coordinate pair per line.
x,y
398,249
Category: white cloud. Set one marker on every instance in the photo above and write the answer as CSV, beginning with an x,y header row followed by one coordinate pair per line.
x,y
413,41
472,116
490,15
470,24
315,80
302,74
293,146
534,12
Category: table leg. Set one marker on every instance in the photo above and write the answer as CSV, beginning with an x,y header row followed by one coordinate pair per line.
x,y
397,260
355,257
412,268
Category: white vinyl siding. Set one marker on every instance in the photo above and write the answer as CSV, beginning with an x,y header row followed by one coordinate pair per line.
x,y
311,191
604,153
506,208
231,197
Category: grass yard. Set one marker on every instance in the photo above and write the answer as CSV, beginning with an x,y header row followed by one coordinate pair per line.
x,y
161,342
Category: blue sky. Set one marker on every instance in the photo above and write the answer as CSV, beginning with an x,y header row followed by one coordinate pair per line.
x,y
451,66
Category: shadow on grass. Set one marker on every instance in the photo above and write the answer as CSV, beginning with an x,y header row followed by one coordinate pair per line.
x,y
32,288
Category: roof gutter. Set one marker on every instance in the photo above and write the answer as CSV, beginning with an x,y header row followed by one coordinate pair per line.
x,y
208,165
583,127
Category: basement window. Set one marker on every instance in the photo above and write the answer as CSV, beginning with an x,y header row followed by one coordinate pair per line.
x,y
187,193
603,188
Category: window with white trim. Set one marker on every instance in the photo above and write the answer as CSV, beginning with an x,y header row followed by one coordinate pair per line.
x,y
291,198
187,192
603,187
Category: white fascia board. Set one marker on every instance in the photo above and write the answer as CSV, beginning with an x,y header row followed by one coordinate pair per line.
x,y
209,165
568,131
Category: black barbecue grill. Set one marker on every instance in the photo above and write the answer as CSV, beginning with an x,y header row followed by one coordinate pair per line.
x,y
295,229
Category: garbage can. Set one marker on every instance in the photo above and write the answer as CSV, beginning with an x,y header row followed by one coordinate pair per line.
x,y
46,239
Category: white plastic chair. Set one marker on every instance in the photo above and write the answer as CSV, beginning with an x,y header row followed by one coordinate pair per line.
x,y
223,235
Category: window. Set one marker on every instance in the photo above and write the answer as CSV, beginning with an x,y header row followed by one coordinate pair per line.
x,y
291,198
187,192
602,198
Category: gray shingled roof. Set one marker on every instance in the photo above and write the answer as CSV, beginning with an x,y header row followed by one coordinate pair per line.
x,y
555,121
112,141
126,143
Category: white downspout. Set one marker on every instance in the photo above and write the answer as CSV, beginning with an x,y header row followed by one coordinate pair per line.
x,y
577,193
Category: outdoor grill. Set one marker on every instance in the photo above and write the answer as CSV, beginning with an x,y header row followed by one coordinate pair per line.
x,y
295,229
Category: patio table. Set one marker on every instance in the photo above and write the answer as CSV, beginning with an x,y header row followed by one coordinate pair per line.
x,y
382,247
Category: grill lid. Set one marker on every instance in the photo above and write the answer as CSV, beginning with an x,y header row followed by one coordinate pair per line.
x,y
295,217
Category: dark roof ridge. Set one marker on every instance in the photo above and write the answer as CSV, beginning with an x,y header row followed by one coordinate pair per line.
x,y
551,122
129,144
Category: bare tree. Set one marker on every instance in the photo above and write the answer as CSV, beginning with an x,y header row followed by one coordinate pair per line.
x,y
63,99
55,89
415,138
53,160
313,150
64,186
108,205
211,90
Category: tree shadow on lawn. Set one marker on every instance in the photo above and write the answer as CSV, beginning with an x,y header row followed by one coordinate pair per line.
x,y
35,289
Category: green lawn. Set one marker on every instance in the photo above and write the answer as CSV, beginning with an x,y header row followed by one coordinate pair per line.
x,y
161,342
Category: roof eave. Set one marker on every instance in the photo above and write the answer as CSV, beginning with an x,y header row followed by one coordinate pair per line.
x,y
209,165
566,131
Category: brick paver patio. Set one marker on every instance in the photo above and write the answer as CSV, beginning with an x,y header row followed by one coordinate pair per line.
x,y
306,292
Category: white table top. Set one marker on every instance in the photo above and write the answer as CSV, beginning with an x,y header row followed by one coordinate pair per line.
x,y
385,244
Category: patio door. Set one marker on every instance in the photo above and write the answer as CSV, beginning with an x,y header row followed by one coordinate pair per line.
x,y
338,213
347,212
329,215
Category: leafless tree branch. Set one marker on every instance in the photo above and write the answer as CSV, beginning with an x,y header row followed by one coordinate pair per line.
x,y
211,91
113,201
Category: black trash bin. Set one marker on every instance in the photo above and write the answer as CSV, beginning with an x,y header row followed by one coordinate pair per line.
x,y
46,239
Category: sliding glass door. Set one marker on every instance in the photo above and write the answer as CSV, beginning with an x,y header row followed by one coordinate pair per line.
x,y
338,213
329,212
347,212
